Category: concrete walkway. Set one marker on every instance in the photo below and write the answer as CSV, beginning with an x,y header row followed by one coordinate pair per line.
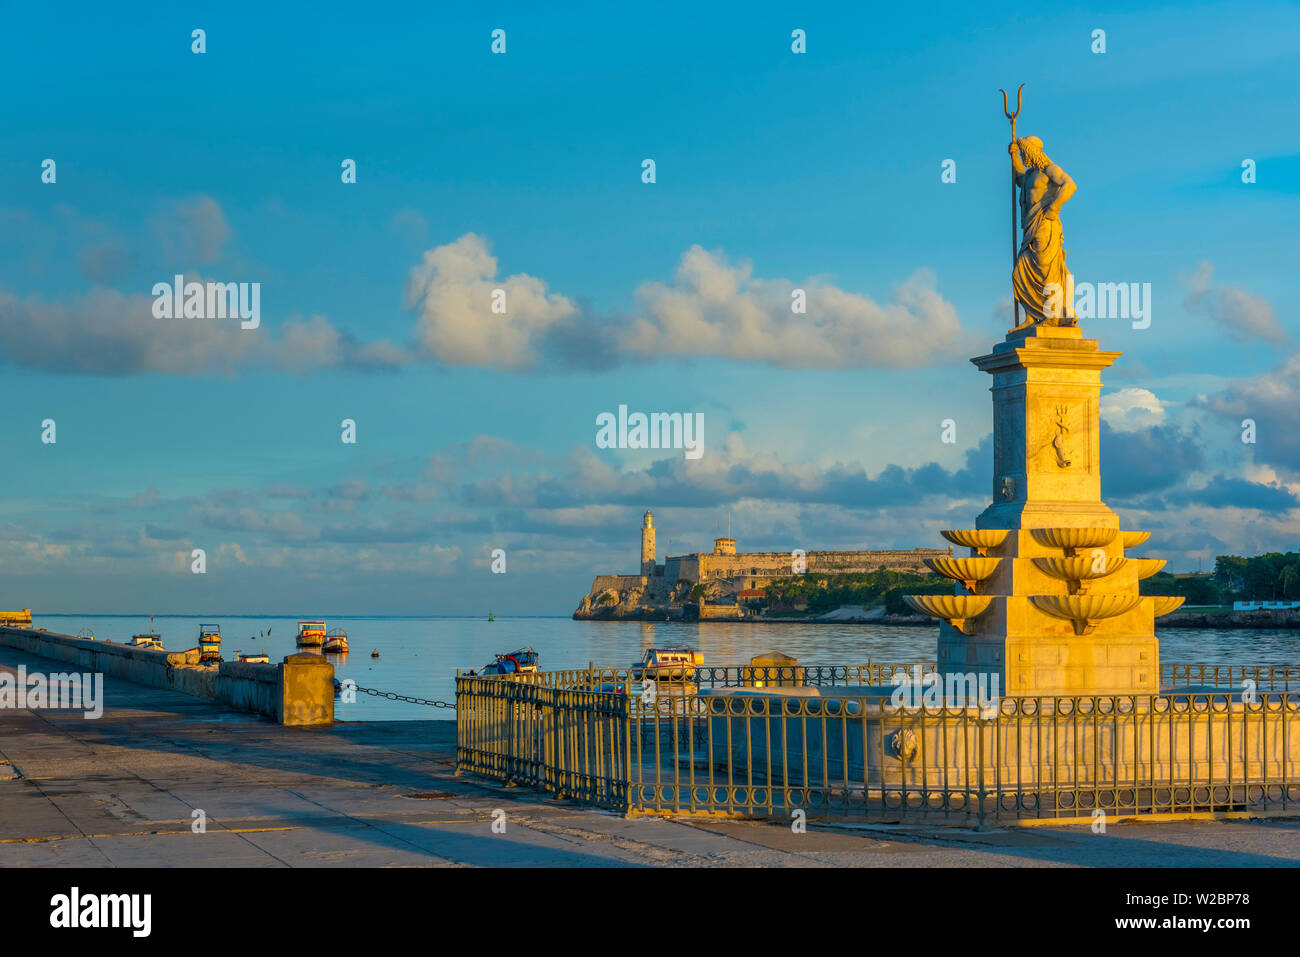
x,y
120,791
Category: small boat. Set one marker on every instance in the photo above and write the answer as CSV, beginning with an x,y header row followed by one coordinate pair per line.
x,y
336,642
209,643
311,634
375,653
148,639
674,666
16,619
523,661
254,657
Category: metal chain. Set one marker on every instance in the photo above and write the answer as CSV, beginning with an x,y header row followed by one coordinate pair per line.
x,y
394,696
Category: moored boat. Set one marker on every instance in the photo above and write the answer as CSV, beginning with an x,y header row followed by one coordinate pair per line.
x,y
311,634
336,642
523,661
679,662
671,669
254,657
16,619
209,643
148,639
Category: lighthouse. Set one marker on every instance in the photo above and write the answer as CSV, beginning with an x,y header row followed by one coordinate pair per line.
x,y
648,544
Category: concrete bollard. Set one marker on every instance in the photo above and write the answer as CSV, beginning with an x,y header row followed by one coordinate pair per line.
x,y
306,692
773,669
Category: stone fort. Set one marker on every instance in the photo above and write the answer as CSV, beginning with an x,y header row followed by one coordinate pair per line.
x,y
727,573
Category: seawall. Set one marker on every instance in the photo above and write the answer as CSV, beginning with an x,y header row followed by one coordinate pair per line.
x,y
1283,619
297,691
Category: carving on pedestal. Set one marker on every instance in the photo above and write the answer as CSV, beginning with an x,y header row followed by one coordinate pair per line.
x,y
1008,487
1060,443
903,744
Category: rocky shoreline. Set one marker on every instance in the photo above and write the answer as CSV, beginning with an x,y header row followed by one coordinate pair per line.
x,y
658,615
1254,620
1280,620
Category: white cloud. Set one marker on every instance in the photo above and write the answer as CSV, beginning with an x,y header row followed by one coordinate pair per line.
x,y
1129,410
192,231
716,309
108,332
711,309
453,291
1243,315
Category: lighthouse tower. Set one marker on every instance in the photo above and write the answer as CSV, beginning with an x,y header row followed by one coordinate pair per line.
x,y
648,544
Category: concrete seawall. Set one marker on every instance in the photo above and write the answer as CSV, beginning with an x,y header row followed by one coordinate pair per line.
x,y
298,691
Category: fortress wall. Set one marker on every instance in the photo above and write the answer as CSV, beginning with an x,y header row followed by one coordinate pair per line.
x,y
869,561
780,564
767,564
681,566
617,582
747,569
714,612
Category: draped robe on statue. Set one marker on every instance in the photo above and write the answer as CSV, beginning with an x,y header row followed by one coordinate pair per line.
x,y
1041,261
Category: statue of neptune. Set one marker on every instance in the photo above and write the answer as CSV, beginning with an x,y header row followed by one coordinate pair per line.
x,y
1040,279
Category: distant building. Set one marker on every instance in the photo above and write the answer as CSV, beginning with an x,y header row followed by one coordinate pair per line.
x,y
728,574
1264,605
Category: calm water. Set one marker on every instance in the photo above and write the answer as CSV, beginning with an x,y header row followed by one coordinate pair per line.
x,y
419,656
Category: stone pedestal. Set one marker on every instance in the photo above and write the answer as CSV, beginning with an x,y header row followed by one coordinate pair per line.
x,y
1046,462
1062,614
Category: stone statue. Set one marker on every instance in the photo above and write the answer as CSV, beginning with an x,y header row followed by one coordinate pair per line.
x,y
1040,280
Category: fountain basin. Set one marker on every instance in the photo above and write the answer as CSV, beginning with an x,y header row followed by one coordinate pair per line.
x,y
1133,539
968,571
957,610
1079,570
980,539
1084,611
1069,539
1164,604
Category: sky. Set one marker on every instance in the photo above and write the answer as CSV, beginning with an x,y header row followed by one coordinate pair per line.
x,y
523,171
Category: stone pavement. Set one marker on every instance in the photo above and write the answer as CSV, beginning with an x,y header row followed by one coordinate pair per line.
x,y
120,792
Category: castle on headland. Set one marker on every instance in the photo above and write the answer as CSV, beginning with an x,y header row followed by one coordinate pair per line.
x,y
726,577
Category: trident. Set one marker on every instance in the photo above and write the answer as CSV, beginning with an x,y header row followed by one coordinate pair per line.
x,y
1015,303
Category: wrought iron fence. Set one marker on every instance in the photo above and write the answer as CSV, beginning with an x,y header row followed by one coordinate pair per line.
x,y
836,744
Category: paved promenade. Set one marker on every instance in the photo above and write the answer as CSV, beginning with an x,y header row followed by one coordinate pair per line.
x,y
120,791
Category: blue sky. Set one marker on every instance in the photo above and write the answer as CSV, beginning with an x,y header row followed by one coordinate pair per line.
x,y
476,431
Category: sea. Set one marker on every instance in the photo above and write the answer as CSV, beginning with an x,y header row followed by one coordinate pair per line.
x,y
418,657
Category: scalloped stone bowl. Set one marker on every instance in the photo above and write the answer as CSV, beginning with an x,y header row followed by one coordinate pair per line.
x,y
1072,538
968,571
980,539
1085,607
950,607
1164,604
1146,567
1133,539
1077,569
